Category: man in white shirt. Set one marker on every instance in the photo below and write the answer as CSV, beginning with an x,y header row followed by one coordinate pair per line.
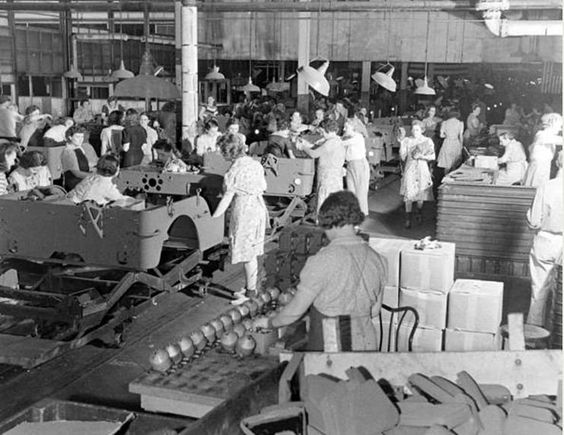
x,y
546,217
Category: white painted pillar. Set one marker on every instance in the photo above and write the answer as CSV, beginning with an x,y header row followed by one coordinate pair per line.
x,y
189,69
178,42
304,28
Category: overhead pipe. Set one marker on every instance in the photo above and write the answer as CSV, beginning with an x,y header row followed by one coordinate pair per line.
x,y
275,6
503,27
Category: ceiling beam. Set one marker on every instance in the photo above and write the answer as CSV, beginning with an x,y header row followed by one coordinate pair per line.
x,y
273,6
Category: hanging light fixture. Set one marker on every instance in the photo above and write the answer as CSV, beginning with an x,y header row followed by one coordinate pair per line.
x,y
385,79
121,73
73,73
425,89
214,74
381,76
315,78
280,85
250,87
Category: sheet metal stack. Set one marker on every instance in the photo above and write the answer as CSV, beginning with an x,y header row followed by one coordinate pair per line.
x,y
488,225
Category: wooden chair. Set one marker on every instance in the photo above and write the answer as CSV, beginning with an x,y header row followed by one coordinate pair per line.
x,y
403,314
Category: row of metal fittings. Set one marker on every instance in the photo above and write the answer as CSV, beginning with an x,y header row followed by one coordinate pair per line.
x,y
231,330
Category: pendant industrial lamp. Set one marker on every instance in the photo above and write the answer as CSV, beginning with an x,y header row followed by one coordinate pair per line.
x,y
381,76
250,87
315,78
280,85
424,88
121,73
73,73
214,74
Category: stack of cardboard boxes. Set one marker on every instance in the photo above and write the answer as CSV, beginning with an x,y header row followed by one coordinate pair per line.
x,y
424,280
474,315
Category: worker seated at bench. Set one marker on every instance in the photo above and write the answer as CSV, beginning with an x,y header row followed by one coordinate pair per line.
x,y
344,280
99,187
31,172
167,159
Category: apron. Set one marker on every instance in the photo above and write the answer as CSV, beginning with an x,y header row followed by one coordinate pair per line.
x,y
72,180
315,341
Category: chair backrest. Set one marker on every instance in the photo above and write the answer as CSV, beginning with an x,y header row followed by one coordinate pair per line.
x,y
407,322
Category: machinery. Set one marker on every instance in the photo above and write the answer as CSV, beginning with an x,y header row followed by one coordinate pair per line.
x,y
85,269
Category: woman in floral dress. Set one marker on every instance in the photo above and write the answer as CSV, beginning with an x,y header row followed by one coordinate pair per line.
x,y
416,184
244,185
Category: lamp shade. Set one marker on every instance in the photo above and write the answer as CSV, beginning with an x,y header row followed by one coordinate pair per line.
x,y
279,86
214,74
73,73
316,77
250,87
425,89
121,73
385,79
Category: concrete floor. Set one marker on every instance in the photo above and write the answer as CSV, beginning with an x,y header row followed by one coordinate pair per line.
x,y
101,376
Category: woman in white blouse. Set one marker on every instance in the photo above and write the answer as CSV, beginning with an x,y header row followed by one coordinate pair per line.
x,y
358,170
99,187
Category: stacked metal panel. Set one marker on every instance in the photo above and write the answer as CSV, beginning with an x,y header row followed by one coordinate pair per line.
x,y
488,224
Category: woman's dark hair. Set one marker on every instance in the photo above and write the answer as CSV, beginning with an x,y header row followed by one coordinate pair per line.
x,y
340,209
32,159
6,148
507,135
233,121
30,109
115,117
107,165
231,146
282,124
74,129
474,106
210,123
163,145
112,99
131,118
330,125
453,114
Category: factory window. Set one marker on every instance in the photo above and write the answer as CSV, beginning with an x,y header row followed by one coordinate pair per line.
x,y
39,86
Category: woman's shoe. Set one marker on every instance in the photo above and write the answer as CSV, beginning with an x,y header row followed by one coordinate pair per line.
x,y
418,215
408,220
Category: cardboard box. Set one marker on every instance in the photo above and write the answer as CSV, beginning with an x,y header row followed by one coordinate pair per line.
x,y
424,339
430,269
391,250
431,306
475,305
456,341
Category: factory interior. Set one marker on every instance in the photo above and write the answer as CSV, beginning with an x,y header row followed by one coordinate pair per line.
x,y
281,217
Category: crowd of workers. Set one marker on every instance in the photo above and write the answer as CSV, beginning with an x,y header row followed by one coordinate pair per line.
x,y
337,137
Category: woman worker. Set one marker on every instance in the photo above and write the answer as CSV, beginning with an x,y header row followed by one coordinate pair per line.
x,y
331,155
542,150
358,170
78,158
244,185
416,184
515,161
344,279
451,150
